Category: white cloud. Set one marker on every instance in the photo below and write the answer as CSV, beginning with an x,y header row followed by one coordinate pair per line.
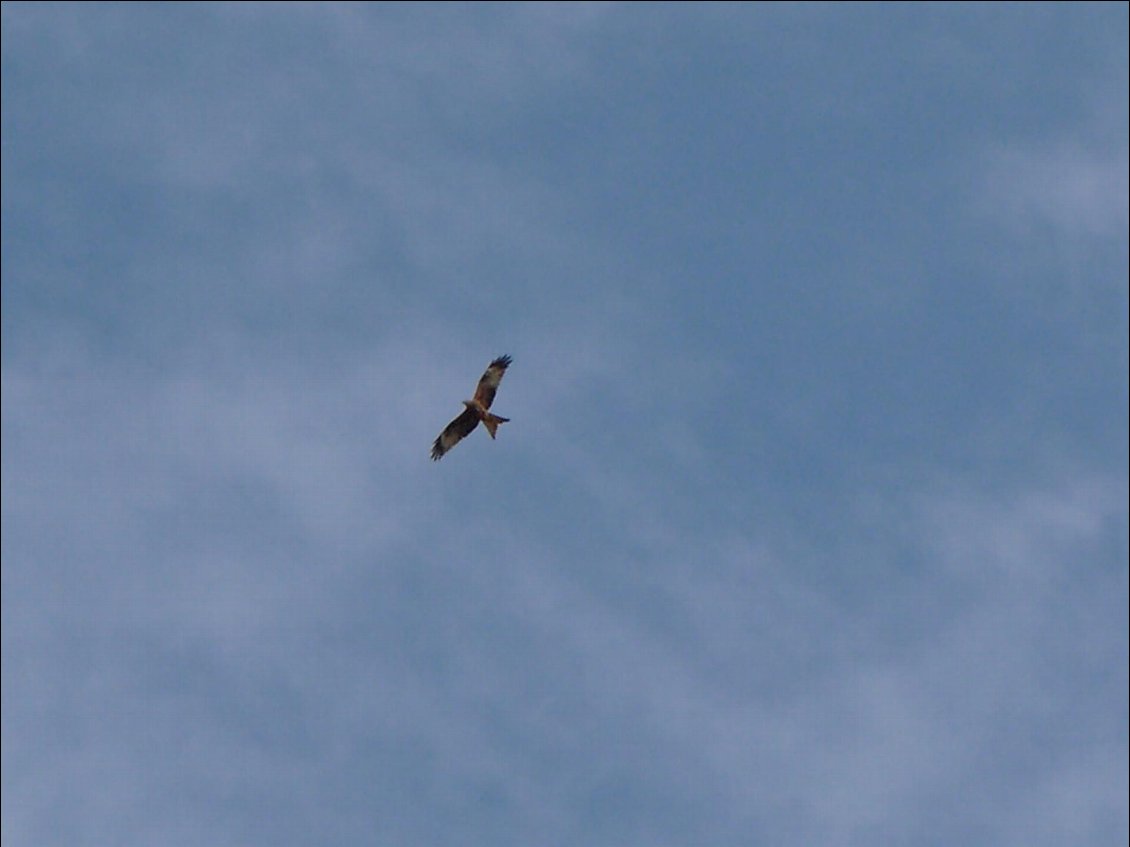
x,y
1068,189
267,528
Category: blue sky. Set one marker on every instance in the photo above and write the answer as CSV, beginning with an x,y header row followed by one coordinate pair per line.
x,y
810,525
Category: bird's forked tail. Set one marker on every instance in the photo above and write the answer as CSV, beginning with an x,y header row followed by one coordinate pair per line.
x,y
491,422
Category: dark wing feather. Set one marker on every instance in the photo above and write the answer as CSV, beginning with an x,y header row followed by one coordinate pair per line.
x,y
488,383
454,432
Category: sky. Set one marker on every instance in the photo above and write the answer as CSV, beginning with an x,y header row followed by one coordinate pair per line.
x,y
809,525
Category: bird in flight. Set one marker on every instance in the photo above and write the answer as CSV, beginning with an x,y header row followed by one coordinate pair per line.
x,y
477,410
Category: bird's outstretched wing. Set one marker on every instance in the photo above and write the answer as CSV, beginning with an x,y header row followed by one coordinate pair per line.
x,y
454,432
488,383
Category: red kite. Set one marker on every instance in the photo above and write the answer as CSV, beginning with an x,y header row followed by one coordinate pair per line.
x,y
476,410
